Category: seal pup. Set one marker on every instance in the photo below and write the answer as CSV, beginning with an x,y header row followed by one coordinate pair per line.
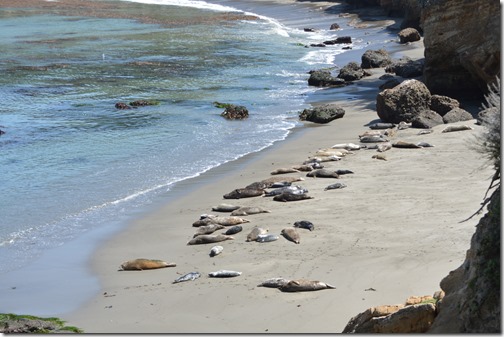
x,y
256,231
224,208
283,171
249,210
243,193
405,145
287,196
304,224
335,186
453,128
379,156
144,264
225,273
322,173
202,239
216,250
208,229
291,234
220,220
233,230
275,282
305,285
267,237
384,147
188,277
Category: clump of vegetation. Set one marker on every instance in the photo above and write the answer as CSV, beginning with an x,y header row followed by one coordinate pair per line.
x,y
11,323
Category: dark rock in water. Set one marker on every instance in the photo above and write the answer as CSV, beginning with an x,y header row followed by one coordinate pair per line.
x,y
324,78
351,72
143,103
320,45
408,35
339,40
334,26
2,132
122,106
235,112
309,30
375,59
322,114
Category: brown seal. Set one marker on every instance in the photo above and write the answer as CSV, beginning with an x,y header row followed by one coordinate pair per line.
x,y
220,220
322,173
252,236
144,264
243,193
283,171
380,156
249,210
287,196
202,239
305,285
208,229
405,145
267,183
453,128
291,234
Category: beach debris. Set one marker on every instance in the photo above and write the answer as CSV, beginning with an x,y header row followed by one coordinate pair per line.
x,y
335,186
243,193
188,277
203,239
144,264
249,210
208,229
305,285
224,208
370,289
453,128
291,234
275,282
225,273
267,237
288,196
405,145
256,231
379,156
233,230
216,250
304,224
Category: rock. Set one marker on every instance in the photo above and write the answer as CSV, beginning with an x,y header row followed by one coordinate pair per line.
x,y
351,72
485,114
403,103
406,67
462,46
426,120
334,26
309,30
389,84
443,104
416,318
375,59
322,114
339,40
324,78
418,299
143,103
319,45
122,106
235,112
408,35
457,115
361,321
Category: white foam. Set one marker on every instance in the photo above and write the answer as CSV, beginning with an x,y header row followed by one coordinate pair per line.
x,y
189,3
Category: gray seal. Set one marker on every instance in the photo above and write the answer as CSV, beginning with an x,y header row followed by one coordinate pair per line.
x,y
290,189
225,273
249,210
202,239
255,232
208,229
322,173
275,282
233,230
305,285
243,193
267,237
286,196
335,186
405,145
188,277
224,208
453,128
145,264
304,224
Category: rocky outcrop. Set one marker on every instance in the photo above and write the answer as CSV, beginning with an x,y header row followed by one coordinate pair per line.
x,y
235,112
406,67
462,46
324,78
322,114
351,72
408,35
375,59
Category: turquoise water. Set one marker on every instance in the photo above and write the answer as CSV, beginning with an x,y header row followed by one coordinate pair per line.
x,y
71,163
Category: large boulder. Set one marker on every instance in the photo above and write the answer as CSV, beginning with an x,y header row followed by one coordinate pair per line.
x,y
426,120
457,115
443,104
406,67
235,112
351,72
408,35
324,78
375,59
322,114
404,102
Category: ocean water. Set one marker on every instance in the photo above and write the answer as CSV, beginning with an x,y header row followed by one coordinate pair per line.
x,y
71,163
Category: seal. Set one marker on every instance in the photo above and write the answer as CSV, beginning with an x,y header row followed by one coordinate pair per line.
x,y
405,145
233,230
216,250
384,147
379,156
275,282
243,193
425,132
346,146
335,186
296,189
202,239
144,264
381,126
303,168
291,234
453,128
249,210
281,184
322,173
224,208
220,220
403,125
252,236
304,224
372,133
287,196
424,144
188,277
283,171
331,152
342,172
208,229
324,159
305,285
373,139
225,273
267,183
267,237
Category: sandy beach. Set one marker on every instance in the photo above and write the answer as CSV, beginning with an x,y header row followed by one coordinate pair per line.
x,y
394,232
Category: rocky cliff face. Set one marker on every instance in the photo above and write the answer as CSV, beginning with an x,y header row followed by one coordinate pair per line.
x,y
462,45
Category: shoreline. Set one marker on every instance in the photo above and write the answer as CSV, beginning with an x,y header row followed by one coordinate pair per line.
x,y
386,231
